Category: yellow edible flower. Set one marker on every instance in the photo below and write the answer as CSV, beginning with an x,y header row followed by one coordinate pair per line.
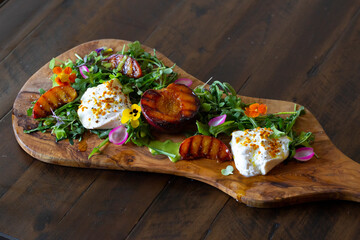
x,y
131,115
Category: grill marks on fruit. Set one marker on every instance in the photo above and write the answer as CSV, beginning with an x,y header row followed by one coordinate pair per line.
x,y
160,106
206,145
195,146
130,67
171,107
201,146
52,99
185,149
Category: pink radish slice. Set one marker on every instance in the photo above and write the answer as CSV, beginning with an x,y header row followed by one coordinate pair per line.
x,y
118,135
217,120
83,69
304,154
185,81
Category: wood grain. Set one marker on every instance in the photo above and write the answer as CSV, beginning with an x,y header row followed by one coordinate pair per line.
x,y
302,221
332,176
114,199
15,161
17,29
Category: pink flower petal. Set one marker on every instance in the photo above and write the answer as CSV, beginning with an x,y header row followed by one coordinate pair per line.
x,y
185,81
217,120
118,135
83,69
304,154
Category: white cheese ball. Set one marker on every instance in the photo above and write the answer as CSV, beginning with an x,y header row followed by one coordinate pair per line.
x,y
255,153
102,106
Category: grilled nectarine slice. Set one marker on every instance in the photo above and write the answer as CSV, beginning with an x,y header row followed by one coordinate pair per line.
x,y
170,108
201,146
52,99
128,66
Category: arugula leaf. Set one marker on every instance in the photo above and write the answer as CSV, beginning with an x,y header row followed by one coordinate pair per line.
x,y
102,133
276,133
227,127
97,148
292,119
203,128
303,139
135,49
39,128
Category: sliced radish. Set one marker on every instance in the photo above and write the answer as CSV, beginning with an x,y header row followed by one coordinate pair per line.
x,y
304,154
217,120
118,135
83,69
185,81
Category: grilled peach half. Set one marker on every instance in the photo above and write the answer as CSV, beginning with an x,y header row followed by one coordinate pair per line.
x,y
170,109
201,146
52,99
125,64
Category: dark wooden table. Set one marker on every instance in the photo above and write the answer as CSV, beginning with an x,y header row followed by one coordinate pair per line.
x,y
302,51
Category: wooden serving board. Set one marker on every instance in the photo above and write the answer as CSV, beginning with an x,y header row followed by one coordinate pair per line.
x,y
332,176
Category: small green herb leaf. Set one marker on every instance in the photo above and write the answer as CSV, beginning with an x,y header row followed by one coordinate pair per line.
x,y
52,63
227,171
227,127
168,70
135,49
41,91
206,107
276,133
102,133
29,111
60,134
97,149
203,128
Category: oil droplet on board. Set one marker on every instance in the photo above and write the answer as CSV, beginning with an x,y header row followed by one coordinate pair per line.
x,y
82,145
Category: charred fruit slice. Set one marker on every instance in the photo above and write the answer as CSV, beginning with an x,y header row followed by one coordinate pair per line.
x,y
125,64
170,108
201,146
52,99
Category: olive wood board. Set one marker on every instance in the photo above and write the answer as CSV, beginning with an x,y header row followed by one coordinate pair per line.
x,y
331,176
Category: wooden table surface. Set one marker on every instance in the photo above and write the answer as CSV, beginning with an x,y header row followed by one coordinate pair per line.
x,y
302,51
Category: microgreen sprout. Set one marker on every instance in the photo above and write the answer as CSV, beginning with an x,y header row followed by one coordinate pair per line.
x,y
227,171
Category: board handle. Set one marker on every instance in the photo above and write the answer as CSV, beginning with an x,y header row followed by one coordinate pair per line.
x,y
344,176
